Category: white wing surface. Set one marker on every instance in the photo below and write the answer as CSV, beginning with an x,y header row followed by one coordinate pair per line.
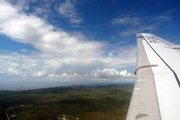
x,y
156,94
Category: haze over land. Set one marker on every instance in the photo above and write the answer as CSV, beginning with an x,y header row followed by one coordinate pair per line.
x,y
70,42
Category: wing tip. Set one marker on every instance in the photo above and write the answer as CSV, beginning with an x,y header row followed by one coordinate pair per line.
x,y
140,35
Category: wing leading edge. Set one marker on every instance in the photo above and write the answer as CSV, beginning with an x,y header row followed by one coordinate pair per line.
x,y
156,94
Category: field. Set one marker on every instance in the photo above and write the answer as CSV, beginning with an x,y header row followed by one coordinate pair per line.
x,y
103,102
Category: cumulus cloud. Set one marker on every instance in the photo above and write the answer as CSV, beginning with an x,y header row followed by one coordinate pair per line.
x,y
40,73
60,54
44,37
97,75
13,72
59,66
111,74
68,10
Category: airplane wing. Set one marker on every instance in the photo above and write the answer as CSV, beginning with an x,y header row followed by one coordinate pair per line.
x,y
156,94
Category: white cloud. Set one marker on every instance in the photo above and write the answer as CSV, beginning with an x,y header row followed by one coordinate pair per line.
x,y
44,37
111,74
138,30
110,54
125,21
165,17
136,24
40,73
64,75
22,4
64,67
13,72
162,18
6,10
23,50
68,10
61,54
97,75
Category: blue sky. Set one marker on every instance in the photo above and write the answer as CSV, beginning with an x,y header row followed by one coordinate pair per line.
x,y
71,42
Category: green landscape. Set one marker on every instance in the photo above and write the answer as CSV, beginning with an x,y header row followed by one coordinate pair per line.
x,y
102,102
